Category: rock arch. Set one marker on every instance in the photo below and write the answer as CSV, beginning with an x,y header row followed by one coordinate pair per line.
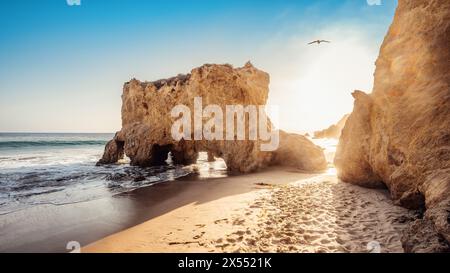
x,y
146,137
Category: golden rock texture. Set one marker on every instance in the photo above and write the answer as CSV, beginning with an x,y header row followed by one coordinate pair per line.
x,y
399,135
334,131
146,136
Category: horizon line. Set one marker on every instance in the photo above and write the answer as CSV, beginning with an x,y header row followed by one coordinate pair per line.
x,y
53,132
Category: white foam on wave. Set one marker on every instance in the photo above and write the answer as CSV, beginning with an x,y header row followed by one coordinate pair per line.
x,y
60,175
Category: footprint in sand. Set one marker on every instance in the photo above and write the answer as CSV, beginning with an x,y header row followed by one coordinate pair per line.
x,y
286,240
224,246
238,222
224,220
310,238
251,242
199,236
240,232
289,234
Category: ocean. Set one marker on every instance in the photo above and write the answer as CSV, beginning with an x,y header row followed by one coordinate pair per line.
x,y
59,168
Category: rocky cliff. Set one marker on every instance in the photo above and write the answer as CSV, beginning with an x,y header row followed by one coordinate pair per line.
x,y
146,136
334,131
399,135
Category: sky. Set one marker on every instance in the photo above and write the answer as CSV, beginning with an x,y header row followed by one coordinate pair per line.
x,y
62,67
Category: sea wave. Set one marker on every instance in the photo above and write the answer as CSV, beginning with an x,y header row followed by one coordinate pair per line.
x,y
46,143
55,169
30,177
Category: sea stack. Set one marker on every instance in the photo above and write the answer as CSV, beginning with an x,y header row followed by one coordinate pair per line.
x,y
399,135
146,136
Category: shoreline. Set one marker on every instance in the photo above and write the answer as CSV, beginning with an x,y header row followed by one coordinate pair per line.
x,y
276,210
48,228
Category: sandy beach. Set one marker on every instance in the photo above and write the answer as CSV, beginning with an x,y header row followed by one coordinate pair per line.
x,y
225,127
276,210
279,209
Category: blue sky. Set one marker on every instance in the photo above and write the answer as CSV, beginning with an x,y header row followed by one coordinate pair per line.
x,y
62,67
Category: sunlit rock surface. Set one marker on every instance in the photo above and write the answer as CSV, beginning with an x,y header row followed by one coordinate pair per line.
x,y
334,131
399,135
146,137
296,150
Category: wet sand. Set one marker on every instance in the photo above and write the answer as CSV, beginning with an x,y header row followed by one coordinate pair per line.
x,y
277,210
48,228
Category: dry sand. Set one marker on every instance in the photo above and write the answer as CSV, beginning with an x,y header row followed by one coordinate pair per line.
x,y
277,210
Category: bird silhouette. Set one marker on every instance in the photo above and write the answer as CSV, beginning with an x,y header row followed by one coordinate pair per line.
x,y
318,42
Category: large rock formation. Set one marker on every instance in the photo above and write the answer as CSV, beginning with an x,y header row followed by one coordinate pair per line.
x,y
334,131
146,136
296,151
399,135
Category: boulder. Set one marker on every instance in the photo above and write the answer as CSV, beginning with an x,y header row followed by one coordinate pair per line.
x,y
296,151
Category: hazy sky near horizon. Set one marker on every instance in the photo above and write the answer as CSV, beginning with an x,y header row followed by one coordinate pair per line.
x,y
62,67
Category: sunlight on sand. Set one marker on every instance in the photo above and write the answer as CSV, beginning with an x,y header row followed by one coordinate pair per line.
x,y
331,171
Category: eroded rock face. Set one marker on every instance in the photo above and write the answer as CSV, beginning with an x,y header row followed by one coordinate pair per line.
x,y
334,131
352,158
399,135
421,237
146,136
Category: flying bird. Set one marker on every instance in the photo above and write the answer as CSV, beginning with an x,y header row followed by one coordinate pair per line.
x,y
318,42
